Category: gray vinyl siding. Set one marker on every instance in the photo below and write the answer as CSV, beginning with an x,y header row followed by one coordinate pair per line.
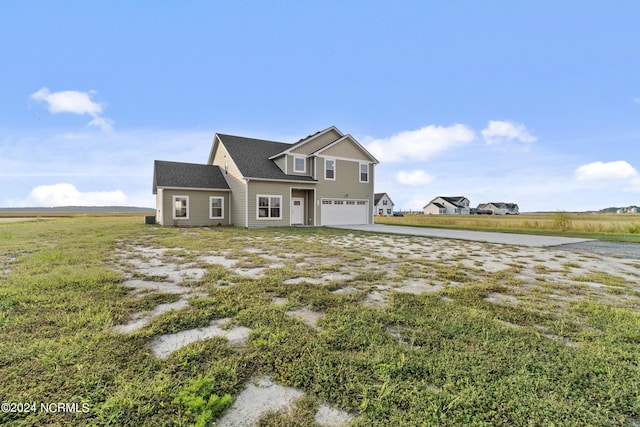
x,y
317,143
346,149
237,184
347,182
283,189
282,163
238,196
198,207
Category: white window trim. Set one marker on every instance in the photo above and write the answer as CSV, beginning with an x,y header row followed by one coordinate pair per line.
x,y
304,164
360,173
222,206
335,163
269,196
174,199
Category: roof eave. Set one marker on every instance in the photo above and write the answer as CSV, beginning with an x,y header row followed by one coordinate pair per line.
x,y
172,187
253,178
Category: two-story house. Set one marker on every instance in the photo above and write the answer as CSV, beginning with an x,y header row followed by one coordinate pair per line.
x,y
383,204
323,179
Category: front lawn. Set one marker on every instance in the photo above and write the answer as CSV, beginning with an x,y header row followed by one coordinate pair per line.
x,y
392,330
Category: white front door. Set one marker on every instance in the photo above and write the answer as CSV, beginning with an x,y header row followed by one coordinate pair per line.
x,y
297,210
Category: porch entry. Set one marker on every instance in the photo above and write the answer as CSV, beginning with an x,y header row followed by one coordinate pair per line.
x,y
302,206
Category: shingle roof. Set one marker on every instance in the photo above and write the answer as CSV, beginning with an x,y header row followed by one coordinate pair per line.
x,y
187,175
454,200
252,157
378,196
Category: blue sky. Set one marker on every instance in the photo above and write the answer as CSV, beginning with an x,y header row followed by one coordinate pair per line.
x,y
533,102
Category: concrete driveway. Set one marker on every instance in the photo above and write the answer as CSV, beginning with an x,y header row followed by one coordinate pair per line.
x,y
477,236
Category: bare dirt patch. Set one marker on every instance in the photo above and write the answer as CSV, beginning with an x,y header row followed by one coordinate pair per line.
x,y
262,396
307,316
152,269
164,345
140,320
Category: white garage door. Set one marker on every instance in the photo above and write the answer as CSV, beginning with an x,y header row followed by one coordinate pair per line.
x,y
344,212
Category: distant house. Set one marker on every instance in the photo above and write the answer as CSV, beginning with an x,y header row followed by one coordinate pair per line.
x,y
442,205
499,208
324,179
382,204
628,210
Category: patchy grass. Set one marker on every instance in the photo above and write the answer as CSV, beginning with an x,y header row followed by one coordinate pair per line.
x,y
611,227
551,354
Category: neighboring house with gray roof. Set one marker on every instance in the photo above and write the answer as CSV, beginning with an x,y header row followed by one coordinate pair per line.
x,y
383,204
443,205
323,179
500,208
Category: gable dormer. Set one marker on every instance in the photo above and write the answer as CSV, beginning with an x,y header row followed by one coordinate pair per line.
x,y
294,164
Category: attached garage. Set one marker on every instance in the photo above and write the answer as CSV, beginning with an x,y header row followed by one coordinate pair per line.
x,y
344,212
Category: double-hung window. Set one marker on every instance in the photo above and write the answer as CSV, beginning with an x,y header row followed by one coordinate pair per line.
x,y
216,206
269,207
330,169
299,164
180,207
364,172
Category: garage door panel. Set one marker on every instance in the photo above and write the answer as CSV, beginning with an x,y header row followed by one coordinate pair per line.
x,y
345,212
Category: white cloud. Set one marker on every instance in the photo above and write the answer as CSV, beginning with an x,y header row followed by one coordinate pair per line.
x,y
636,100
602,174
75,102
421,144
600,171
64,194
114,160
414,178
103,123
498,131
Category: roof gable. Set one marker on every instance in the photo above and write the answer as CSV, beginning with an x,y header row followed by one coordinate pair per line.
x,y
187,175
454,201
347,147
378,196
315,142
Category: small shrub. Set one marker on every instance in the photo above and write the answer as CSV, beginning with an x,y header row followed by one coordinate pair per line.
x,y
634,229
561,220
